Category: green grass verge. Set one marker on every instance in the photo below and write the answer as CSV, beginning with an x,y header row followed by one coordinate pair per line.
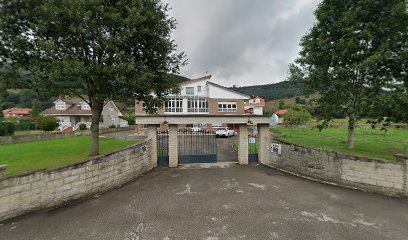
x,y
51,154
371,143
252,147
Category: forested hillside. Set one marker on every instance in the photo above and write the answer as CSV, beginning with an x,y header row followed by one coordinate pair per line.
x,y
273,91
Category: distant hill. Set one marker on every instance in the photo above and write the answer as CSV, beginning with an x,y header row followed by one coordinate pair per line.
x,y
273,105
273,91
177,78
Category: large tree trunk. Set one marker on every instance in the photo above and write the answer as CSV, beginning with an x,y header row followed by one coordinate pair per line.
x,y
351,127
96,116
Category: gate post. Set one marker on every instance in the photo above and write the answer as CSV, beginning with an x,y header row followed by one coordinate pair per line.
x,y
263,137
173,145
243,144
152,134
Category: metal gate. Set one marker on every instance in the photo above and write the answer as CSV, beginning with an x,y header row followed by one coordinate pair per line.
x,y
253,145
163,148
197,146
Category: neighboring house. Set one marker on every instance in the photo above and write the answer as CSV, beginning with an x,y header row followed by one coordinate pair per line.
x,y
201,97
281,115
20,113
254,106
70,113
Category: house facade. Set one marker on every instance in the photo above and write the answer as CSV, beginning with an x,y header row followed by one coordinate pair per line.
x,y
201,97
19,113
254,106
71,113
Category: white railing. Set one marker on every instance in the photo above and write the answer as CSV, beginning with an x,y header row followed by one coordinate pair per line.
x,y
64,126
76,127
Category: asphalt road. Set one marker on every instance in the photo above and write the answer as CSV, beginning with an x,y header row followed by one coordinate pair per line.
x,y
224,202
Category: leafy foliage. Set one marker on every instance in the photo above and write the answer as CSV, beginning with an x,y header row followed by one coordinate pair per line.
x,y
274,91
355,49
6,128
97,50
46,123
297,115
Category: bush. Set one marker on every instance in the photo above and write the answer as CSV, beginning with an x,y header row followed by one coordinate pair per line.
x,y
7,128
82,126
297,116
112,126
25,125
46,123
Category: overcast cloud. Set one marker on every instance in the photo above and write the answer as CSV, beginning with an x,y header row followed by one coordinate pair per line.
x,y
240,42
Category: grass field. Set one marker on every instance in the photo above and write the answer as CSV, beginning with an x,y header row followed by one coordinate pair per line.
x,y
52,154
371,143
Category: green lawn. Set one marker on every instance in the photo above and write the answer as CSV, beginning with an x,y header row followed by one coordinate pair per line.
x,y
50,154
371,143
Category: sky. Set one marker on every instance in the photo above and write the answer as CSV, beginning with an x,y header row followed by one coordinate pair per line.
x,y
240,42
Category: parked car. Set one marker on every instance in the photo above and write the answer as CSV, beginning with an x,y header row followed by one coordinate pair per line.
x,y
195,129
224,132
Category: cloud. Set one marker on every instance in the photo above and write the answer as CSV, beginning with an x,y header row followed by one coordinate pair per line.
x,y
240,42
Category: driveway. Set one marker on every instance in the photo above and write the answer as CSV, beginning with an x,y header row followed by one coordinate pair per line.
x,y
225,153
224,202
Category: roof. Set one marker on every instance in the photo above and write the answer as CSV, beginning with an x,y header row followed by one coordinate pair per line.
x,y
229,89
281,112
261,104
208,77
73,109
17,111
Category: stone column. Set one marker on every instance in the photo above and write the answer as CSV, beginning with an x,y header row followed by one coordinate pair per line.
x,y
173,145
243,144
3,169
264,142
404,160
152,134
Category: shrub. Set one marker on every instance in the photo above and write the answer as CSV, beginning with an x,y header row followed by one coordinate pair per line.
x,y
25,125
112,126
82,126
46,123
6,128
297,116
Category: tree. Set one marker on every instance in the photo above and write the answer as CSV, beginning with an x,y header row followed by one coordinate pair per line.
x,y
97,50
281,104
46,123
1,114
36,108
297,115
354,50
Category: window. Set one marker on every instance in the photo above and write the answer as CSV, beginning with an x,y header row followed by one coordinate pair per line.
x,y
257,101
197,105
60,119
227,107
144,107
60,106
173,105
189,90
86,106
198,88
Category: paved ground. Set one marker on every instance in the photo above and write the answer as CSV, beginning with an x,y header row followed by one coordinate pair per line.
x,y
225,153
228,202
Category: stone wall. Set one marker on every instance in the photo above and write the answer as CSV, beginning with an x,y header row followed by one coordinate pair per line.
x,y
57,135
386,177
50,188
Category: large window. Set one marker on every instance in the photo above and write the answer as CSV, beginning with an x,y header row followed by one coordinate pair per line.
x,y
227,107
197,105
189,90
174,105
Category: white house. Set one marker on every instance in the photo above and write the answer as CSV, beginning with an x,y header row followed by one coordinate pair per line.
x,y
73,112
